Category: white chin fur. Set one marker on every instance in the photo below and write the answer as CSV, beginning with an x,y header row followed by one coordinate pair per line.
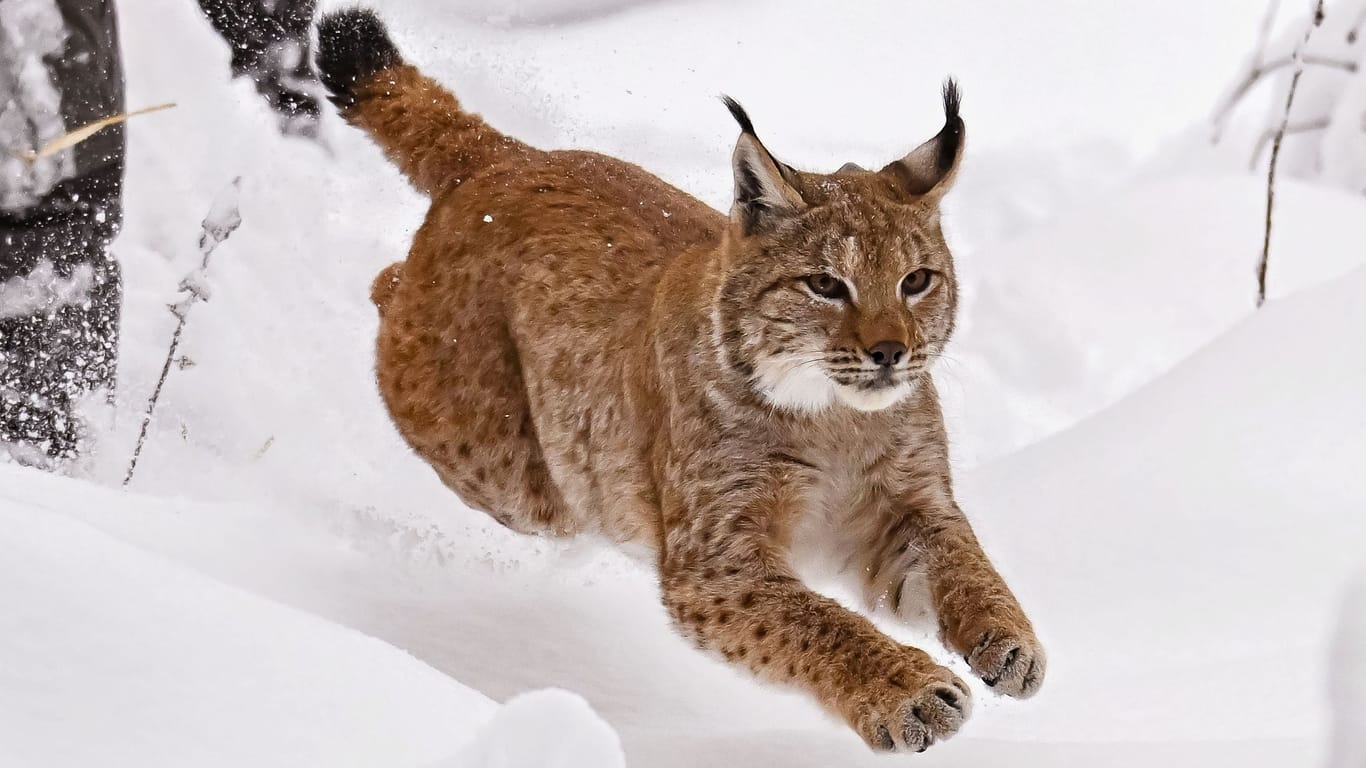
x,y
872,399
794,383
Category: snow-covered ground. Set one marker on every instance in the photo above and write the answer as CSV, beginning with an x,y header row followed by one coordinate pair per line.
x,y
284,584
1347,680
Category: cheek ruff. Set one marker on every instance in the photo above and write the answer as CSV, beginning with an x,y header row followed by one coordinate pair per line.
x,y
873,399
794,383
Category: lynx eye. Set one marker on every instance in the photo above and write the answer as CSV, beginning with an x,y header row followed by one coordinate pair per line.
x,y
917,282
827,286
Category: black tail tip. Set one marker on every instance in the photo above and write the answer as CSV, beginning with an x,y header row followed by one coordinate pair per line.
x,y
738,112
353,45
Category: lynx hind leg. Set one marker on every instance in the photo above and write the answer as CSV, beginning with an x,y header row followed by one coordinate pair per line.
x,y
497,467
456,396
894,696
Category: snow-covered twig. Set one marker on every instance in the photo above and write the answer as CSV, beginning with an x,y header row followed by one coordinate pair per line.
x,y
1264,32
1356,27
1276,148
1269,135
1254,66
222,220
1254,76
1258,66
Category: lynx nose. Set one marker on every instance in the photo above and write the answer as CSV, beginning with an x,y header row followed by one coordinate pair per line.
x,y
887,353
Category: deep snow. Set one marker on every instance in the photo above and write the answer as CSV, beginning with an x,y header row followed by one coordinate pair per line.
x,y
1182,551
113,655
1185,578
1347,679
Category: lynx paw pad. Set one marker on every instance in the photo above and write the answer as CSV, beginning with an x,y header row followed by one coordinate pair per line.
x,y
1009,664
932,714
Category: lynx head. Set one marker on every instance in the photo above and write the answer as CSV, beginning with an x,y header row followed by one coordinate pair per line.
x,y
839,288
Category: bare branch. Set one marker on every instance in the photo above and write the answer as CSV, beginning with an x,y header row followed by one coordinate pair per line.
x,y
1264,33
222,220
1276,149
1254,76
1356,27
1308,126
1256,60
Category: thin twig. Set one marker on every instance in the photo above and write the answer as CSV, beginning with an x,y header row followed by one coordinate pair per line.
x,y
222,221
1264,32
1256,60
1221,115
1317,124
1356,26
1276,150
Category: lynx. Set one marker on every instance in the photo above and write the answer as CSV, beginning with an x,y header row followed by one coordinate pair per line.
x,y
575,346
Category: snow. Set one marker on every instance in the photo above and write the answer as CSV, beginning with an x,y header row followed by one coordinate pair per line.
x,y
30,112
154,663
113,656
43,289
1168,479
1200,552
1158,269
1347,680
1208,520
1326,124
518,736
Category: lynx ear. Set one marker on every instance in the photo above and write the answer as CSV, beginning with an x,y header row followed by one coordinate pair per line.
x,y
929,170
764,188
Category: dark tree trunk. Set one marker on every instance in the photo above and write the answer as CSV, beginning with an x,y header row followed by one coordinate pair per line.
x,y
56,353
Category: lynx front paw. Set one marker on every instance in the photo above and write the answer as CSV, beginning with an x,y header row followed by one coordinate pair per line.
x,y
1009,662
909,718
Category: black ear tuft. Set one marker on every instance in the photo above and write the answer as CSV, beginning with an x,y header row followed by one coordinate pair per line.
x,y
741,116
353,45
951,137
764,187
932,165
953,99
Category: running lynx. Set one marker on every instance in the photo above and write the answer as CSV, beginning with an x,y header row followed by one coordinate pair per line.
x,y
576,346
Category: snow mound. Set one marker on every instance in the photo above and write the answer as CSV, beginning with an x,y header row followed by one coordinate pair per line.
x,y
1347,680
1178,552
1075,314
114,656
280,361
518,738
1182,551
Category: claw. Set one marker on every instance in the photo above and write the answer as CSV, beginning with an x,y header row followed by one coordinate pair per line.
x,y
884,739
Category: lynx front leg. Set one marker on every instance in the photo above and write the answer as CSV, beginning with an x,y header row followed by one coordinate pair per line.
x,y
978,615
752,611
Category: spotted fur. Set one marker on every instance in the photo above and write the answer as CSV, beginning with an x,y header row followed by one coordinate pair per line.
x,y
574,345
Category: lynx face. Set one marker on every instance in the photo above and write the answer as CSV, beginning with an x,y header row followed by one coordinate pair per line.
x,y
841,288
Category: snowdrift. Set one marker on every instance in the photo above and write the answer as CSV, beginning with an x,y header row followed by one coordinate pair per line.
x,y
282,354
1182,554
287,585
116,656
1082,309
1209,520
113,656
